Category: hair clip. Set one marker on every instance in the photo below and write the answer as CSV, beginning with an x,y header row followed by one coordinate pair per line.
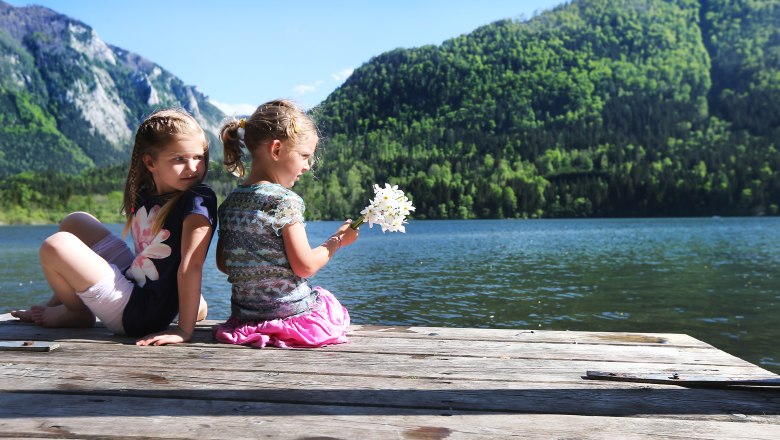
x,y
242,123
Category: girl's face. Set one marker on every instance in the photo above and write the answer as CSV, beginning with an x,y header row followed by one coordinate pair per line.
x,y
295,160
178,166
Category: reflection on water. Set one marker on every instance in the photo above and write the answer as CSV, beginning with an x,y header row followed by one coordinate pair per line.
x,y
715,279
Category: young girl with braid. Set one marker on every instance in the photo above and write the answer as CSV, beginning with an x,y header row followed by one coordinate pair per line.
x,y
171,214
263,247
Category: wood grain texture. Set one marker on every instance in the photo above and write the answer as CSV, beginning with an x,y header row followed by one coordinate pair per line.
x,y
388,382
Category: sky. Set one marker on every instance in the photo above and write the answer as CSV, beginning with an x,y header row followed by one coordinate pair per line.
x,y
241,53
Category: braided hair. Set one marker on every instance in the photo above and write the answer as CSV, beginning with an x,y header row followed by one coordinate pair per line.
x,y
154,134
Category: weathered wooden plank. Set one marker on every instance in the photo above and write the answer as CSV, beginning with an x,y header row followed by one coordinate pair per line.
x,y
389,381
380,367
425,348
72,355
527,336
15,330
28,346
489,348
686,380
591,397
83,416
329,362
12,329
552,352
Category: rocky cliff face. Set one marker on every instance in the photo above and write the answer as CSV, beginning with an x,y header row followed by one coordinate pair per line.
x,y
67,95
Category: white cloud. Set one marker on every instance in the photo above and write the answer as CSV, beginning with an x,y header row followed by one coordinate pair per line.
x,y
235,109
342,75
303,89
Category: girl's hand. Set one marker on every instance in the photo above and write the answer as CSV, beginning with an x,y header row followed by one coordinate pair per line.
x,y
171,336
304,260
347,234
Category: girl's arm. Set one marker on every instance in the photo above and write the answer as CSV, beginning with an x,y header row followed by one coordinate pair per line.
x,y
304,260
196,235
220,257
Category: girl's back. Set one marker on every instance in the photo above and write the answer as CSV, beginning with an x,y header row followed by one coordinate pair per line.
x,y
264,285
263,245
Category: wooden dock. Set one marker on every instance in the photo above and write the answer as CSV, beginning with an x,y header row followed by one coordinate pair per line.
x,y
388,382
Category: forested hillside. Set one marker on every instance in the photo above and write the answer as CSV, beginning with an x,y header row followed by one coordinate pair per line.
x,y
596,108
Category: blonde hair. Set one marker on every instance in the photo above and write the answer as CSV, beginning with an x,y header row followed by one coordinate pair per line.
x,y
154,134
279,119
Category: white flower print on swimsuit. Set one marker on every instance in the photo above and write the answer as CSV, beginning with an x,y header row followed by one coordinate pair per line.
x,y
154,302
147,247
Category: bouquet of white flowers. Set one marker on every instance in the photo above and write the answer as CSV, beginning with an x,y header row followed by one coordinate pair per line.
x,y
388,209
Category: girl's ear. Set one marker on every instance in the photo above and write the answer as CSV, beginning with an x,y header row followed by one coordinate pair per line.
x,y
148,162
276,149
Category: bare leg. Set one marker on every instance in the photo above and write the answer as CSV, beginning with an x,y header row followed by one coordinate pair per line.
x,y
89,230
70,266
85,226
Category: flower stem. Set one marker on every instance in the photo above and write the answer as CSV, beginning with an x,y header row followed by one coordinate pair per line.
x,y
356,224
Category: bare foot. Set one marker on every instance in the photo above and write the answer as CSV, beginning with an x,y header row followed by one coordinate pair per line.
x,y
23,315
60,316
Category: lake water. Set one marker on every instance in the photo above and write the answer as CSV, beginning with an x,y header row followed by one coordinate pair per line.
x,y
716,279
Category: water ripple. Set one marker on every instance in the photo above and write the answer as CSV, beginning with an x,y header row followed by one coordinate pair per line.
x,y
715,279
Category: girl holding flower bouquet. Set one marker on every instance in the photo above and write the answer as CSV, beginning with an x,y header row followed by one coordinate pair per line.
x,y
93,273
263,247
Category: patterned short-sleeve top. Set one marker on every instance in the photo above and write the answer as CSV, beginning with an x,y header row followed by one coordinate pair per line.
x,y
264,286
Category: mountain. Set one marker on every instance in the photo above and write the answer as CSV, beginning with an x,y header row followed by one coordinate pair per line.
x,y
69,101
595,108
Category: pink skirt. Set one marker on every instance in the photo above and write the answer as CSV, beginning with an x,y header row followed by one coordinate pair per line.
x,y
326,325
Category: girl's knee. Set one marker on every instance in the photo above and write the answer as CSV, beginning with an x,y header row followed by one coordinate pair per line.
x,y
77,220
56,244
85,227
